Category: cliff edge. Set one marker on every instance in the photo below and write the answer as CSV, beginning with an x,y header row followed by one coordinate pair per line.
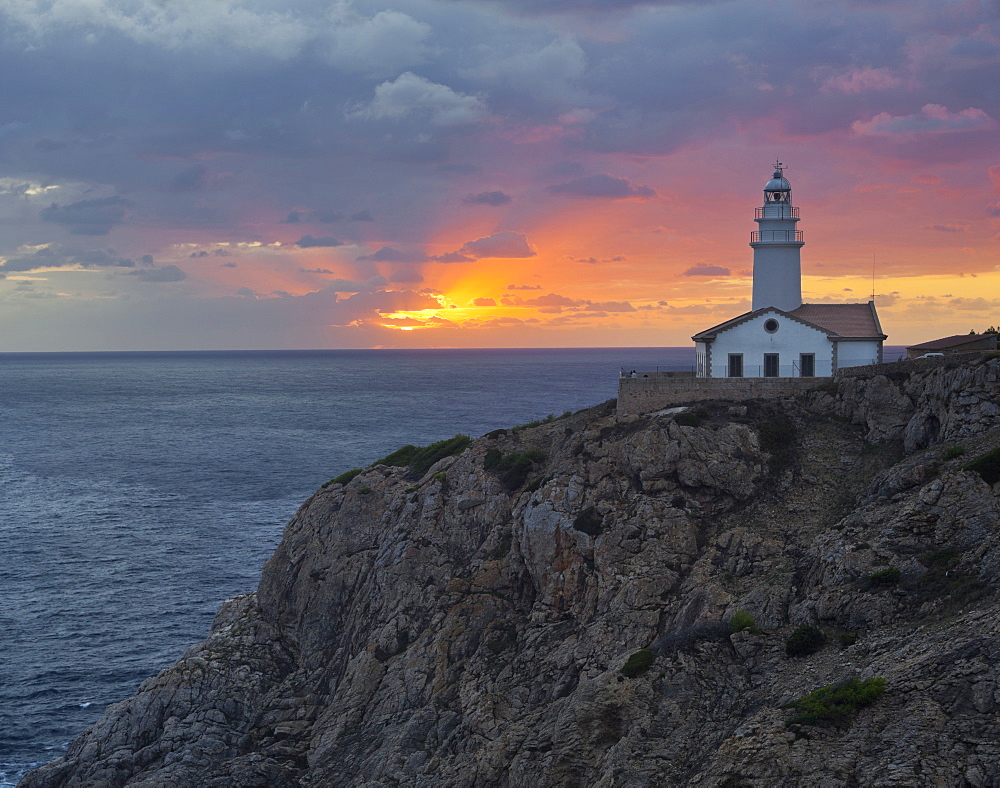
x,y
555,606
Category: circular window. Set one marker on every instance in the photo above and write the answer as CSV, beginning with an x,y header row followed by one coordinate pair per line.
x,y
770,325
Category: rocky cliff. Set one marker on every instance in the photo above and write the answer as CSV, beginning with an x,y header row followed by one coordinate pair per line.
x,y
470,627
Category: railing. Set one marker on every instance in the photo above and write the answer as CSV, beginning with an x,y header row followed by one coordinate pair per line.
x,y
777,211
821,370
779,236
668,371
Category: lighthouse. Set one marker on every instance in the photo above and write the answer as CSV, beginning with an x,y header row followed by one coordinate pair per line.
x,y
777,270
780,337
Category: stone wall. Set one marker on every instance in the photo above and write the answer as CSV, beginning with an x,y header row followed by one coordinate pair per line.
x,y
907,366
645,394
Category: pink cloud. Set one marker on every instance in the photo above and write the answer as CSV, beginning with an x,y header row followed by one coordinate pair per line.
x,y
931,119
861,81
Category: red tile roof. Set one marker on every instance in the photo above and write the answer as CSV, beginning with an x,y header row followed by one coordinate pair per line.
x,y
844,320
955,341
840,321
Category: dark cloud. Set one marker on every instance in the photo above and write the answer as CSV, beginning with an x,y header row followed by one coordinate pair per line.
x,y
193,179
389,254
459,169
524,287
167,273
228,265
63,257
453,257
505,243
88,217
315,271
488,198
552,299
309,242
362,216
603,187
707,270
312,217
484,302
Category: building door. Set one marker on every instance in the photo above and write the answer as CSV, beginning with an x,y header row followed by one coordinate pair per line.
x,y
736,365
770,365
807,365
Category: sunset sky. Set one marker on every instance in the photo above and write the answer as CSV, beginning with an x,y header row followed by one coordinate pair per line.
x,y
216,174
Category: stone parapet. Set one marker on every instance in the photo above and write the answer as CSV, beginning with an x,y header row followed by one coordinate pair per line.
x,y
646,394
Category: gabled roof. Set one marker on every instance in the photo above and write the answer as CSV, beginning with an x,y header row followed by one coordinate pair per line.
x,y
947,342
838,321
847,321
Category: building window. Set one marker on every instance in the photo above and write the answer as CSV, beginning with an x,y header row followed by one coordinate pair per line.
x,y
736,365
770,365
807,365
770,325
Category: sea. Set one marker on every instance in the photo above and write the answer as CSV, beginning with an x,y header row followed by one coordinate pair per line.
x,y
140,490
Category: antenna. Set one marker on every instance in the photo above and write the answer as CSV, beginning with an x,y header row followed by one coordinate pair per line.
x,y
873,277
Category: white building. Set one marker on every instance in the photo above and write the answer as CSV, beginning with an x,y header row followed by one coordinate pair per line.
x,y
781,336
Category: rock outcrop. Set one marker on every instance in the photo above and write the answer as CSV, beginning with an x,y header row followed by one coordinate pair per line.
x,y
468,628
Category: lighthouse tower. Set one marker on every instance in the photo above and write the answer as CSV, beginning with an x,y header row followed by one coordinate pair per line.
x,y
777,272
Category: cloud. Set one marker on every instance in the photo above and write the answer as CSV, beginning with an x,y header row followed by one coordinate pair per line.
x,y
56,256
947,228
931,119
861,80
707,270
484,302
389,254
552,299
88,217
524,287
603,187
488,198
195,178
309,242
412,95
407,275
378,47
315,271
610,306
453,257
168,273
993,209
321,217
505,243
362,216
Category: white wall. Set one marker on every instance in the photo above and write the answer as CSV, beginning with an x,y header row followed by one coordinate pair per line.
x,y
856,354
791,339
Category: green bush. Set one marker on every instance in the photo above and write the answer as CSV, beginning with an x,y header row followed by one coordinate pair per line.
x,y
833,706
884,577
440,476
420,458
742,620
848,639
952,452
365,490
513,468
987,466
687,419
805,640
637,664
345,477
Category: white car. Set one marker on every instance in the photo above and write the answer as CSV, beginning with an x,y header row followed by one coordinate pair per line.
x,y
932,355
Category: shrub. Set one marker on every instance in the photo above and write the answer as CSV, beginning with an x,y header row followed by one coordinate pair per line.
x,y
345,477
987,466
884,577
421,458
440,476
742,620
952,452
365,490
848,639
492,459
687,419
834,705
637,664
805,640
513,468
